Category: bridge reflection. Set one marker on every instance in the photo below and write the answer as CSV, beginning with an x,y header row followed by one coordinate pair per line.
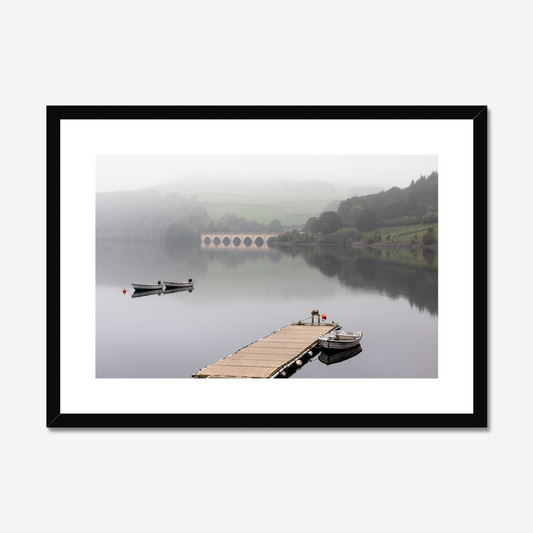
x,y
229,245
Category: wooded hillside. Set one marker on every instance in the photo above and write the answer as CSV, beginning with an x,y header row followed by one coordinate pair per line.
x,y
417,203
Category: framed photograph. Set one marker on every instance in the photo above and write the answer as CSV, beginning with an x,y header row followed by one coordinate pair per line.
x,y
267,266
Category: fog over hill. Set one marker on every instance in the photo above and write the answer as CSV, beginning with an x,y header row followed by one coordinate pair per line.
x,y
169,173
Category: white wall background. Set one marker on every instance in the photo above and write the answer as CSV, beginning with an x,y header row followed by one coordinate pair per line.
x,y
238,52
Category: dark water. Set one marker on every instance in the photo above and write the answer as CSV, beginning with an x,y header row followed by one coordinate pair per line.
x,y
244,293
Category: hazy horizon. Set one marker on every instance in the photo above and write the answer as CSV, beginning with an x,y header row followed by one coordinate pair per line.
x,y
131,172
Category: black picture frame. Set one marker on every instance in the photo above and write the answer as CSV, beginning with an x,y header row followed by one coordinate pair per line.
x,y
478,115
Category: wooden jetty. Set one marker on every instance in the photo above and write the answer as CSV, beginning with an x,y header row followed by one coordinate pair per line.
x,y
269,356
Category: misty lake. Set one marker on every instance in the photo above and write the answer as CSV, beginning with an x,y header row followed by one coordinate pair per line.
x,y
242,293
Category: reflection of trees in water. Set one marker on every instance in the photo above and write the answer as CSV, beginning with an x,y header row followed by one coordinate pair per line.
x,y
146,262
230,259
373,268
429,256
123,263
200,258
119,263
233,259
184,250
275,257
329,264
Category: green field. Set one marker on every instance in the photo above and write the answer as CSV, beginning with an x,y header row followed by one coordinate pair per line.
x,y
261,214
404,234
264,204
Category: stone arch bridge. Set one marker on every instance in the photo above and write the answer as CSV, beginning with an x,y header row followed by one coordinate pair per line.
x,y
245,238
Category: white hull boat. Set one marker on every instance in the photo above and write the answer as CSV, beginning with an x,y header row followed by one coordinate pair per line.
x,y
178,284
148,286
340,340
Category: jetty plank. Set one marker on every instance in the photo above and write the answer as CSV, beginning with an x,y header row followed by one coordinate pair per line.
x,y
265,357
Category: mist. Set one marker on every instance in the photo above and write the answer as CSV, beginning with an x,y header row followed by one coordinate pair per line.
x,y
132,172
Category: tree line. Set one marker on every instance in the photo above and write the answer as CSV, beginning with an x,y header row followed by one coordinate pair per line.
x,y
416,204
150,215
145,214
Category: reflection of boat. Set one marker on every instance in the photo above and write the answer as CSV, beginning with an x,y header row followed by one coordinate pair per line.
x,y
340,339
147,286
138,294
179,289
330,357
178,284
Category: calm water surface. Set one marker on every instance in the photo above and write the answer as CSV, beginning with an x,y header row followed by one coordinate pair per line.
x,y
244,293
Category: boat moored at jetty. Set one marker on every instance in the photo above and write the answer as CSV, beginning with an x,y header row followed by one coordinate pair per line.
x,y
340,340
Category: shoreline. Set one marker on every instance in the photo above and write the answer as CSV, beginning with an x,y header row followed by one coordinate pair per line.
x,y
397,245
379,245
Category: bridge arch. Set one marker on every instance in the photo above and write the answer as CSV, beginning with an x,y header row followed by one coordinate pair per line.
x,y
237,239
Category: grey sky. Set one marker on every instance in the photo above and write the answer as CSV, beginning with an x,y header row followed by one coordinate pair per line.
x,y
129,172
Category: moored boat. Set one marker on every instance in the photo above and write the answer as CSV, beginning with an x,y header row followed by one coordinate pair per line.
x,y
340,340
178,284
147,286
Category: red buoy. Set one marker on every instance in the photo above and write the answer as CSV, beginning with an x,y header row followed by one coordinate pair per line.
x,y
323,317
124,291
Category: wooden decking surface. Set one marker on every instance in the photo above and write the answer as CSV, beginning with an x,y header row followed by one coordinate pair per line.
x,y
265,357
